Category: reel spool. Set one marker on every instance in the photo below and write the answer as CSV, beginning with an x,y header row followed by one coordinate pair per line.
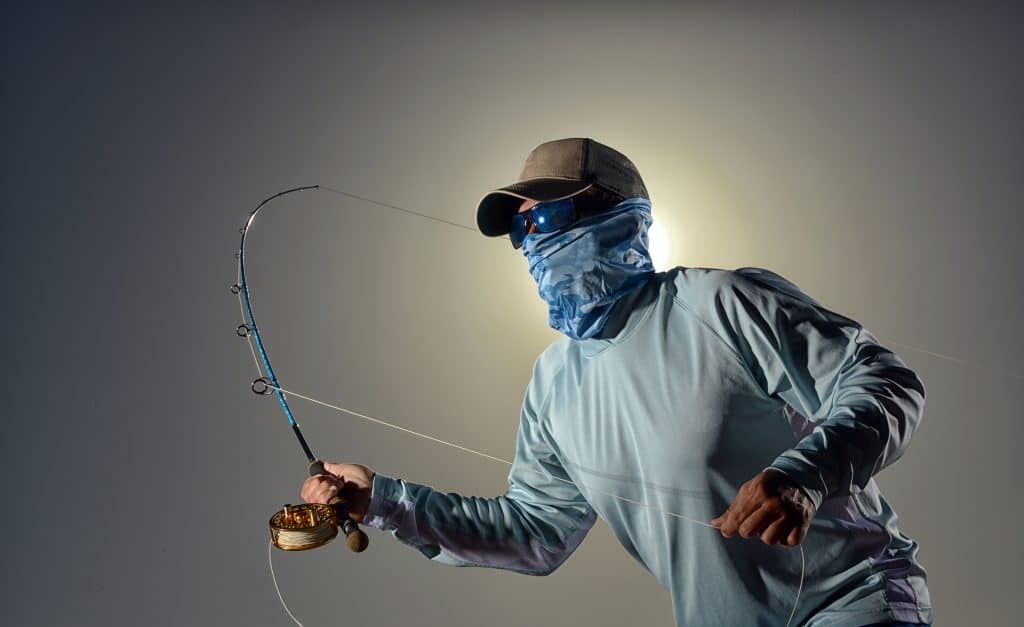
x,y
301,527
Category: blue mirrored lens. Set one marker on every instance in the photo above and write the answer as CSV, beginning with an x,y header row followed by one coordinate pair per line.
x,y
548,217
517,230
551,216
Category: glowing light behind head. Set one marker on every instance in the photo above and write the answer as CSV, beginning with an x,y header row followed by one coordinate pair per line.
x,y
659,244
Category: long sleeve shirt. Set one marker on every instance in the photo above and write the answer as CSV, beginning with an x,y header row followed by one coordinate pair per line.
x,y
712,376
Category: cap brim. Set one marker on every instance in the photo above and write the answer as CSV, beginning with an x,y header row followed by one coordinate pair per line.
x,y
494,212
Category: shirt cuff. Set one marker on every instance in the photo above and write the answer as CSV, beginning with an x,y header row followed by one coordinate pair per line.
x,y
383,511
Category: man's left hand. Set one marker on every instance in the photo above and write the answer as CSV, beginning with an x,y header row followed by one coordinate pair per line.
x,y
772,506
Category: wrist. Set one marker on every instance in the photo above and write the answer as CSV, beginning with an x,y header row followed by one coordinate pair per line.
x,y
813,497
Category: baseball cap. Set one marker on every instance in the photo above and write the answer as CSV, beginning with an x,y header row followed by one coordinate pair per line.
x,y
560,169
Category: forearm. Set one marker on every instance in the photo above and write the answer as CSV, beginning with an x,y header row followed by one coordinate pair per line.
x,y
864,401
877,405
500,532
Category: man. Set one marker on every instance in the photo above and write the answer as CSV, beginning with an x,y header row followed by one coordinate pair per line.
x,y
677,398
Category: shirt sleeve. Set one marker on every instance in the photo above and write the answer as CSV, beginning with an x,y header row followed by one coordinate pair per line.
x,y
864,401
531,529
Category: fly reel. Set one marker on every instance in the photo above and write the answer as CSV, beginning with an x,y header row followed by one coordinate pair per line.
x,y
301,527
307,526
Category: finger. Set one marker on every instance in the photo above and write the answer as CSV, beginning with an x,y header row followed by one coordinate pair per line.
x,y
331,491
721,518
796,536
314,482
731,521
755,523
309,487
721,521
744,506
334,469
325,493
775,532
739,505
741,509
319,489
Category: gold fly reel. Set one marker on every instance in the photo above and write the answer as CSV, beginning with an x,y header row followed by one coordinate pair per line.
x,y
301,527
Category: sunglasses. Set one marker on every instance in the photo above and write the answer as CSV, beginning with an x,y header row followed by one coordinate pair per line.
x,y
548,217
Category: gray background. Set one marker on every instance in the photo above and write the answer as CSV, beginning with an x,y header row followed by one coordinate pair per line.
x,y
872,154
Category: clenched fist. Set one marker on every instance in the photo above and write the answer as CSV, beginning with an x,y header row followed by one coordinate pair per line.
x,y
351,482
770,505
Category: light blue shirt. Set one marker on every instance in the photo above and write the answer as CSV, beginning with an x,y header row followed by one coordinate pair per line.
x,y
701,379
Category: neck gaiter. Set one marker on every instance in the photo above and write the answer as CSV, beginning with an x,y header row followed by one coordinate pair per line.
x,y
581,272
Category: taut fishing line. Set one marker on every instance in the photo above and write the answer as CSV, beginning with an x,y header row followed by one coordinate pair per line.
x,y
309,525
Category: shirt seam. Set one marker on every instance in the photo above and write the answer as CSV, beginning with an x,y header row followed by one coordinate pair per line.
x,y
550,387
732,351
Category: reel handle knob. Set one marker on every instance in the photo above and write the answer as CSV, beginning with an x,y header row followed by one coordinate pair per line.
x,y
355,537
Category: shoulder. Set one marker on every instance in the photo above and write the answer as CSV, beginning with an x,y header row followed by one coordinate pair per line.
x,y
760,278
550,361
696,288
693,288
546,368
729,299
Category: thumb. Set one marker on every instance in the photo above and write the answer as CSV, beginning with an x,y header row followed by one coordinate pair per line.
x,y
334,469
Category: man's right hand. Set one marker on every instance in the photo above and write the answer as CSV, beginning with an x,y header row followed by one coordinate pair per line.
x,y
351,482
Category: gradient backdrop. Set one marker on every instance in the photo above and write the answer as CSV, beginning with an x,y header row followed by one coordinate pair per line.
x,y
872,154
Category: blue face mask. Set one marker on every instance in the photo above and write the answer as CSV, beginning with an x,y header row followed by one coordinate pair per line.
x,y
582,271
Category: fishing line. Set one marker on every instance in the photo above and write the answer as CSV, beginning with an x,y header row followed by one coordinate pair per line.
x,y
316,536
397,208
578,485
964,362
317,533
270,560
